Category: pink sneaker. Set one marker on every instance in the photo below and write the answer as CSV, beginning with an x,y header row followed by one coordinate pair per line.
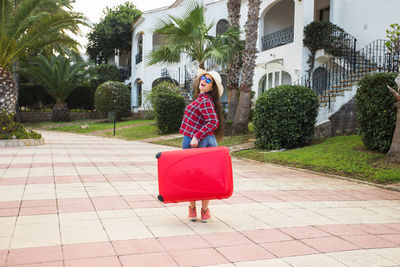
x,y
205,215
192,214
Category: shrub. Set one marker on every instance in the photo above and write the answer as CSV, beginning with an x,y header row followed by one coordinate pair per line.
x,y
285,116
113,96
104,72
376,114
168,105
9,129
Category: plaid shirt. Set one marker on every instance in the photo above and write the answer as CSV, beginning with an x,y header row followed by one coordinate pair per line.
x,y
200,118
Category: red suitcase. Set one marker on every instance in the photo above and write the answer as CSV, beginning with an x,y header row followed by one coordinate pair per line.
x,y
194,174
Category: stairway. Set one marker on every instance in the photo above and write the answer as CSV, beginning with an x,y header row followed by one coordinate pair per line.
x,y
342,73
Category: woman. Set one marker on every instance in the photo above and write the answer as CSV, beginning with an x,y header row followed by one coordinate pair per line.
x,y
202,123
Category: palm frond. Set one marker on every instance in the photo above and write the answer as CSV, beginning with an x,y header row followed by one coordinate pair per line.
x,y
165,54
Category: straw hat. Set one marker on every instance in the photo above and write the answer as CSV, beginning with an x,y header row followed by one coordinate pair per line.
x,y
216,77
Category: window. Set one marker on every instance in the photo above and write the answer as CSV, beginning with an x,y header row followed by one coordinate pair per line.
x,y
222,26
273,79
139,94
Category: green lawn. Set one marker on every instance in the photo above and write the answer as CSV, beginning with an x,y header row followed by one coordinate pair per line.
x,y
50,124
135,133
99,126
228,140
342,155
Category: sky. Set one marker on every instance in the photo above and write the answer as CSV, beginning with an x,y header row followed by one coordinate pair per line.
x,y
93,10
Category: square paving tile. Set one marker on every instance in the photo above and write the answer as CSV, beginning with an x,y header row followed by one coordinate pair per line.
x,y
205,256
138,246
226,239
341,229
392,238
34,255
304,232
88,250
148,260
186,242
268,235
376,229
330,244
245,253
289,248
369,241
361,258
98,262
311,260
3,256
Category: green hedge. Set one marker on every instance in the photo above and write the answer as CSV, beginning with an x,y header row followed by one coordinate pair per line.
x,y
376,114
169,106
113,96
285,117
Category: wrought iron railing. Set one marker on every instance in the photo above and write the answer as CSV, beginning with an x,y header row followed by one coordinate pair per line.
x,y
341,66
277,38
173,75
345,70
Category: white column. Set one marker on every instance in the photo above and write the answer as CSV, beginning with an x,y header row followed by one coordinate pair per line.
x,y
308,17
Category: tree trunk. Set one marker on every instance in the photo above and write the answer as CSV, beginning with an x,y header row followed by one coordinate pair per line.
x,y
8,91
234,68
60,112
394,152
241,119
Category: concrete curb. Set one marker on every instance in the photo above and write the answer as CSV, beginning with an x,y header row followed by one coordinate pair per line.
x,y
388,187
21,142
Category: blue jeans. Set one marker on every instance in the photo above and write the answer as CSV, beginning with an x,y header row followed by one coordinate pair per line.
x,y
209,141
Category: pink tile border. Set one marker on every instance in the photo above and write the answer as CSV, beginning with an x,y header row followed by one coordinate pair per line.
x,y
187,242
148,260
245,253
289,248
139,246
88,250
34,255
97,262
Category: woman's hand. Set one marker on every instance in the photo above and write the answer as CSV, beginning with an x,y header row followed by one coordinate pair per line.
x,y
194,142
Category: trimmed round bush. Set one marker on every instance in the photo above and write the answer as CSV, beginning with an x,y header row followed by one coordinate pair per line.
x,y
169,106
113,96
376,113
285,117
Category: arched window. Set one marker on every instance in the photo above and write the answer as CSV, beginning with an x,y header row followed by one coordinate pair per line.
x,y
139,55
222,26
273,79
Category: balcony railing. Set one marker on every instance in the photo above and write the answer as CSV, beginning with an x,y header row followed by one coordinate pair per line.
x,y
277,38
139,58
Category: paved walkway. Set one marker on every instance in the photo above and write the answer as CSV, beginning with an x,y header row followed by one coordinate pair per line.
x,y
90,201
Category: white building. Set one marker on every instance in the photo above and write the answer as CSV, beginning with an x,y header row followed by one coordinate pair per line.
x,y
282,58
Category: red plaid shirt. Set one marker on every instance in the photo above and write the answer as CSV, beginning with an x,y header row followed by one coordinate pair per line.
x,y
200,118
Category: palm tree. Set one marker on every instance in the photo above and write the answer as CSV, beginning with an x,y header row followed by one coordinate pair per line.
x,y
189,35
241,120
59,77
26,28
234,66
394,151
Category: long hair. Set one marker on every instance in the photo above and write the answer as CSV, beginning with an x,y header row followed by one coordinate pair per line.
x,y
219,132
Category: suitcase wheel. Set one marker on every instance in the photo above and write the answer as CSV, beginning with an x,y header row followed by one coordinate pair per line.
x,y
160,197
158,155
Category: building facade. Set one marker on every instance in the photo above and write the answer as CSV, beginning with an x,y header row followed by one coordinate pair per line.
x,y
282,57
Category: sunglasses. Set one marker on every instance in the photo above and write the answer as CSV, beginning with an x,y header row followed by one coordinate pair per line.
x,y
208,80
